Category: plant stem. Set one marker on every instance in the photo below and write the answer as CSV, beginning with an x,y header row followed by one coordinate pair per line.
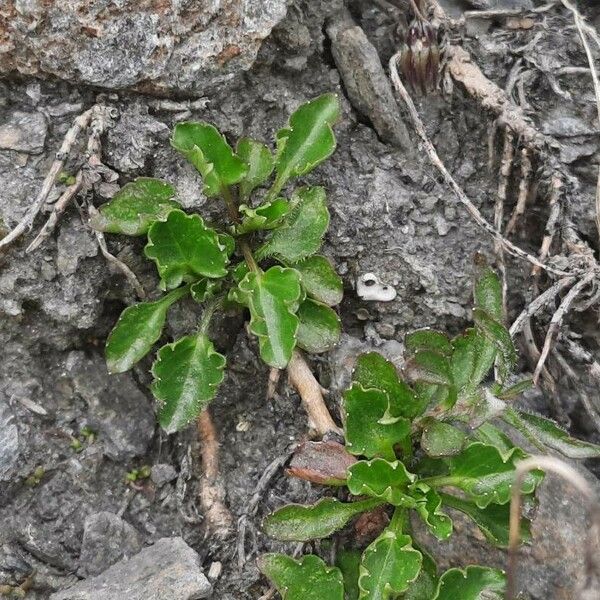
x,y
399,521
209,310
439,480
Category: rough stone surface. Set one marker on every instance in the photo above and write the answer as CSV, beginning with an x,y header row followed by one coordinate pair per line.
x,y
168,570
9,442
155,45
24,132
162,474
106,539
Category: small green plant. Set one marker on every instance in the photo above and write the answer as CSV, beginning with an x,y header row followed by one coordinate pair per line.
x,y
134,475
419,443
290,299
35,477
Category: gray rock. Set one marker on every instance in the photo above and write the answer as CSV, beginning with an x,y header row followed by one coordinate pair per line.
x,y
106,539
156,46
162,474
501,4
24,132
168,570
9,443
118,409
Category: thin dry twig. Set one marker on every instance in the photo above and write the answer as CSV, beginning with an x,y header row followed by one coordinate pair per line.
x,y
550,229
274,376
557,318
302,378
218,518
507,12
437,162
524,187
568,473
81,122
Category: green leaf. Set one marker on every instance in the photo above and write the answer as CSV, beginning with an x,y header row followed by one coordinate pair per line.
x,y
472,583
430,366
319,328
348,562
203,145
388,567
513,391
373,371
271,297
320,280
300,523
492,436
308,139
429,504
551,435
259,165
265,216
488,294
184,246
486,475
428,339
472,359
186,374
365,433
306,579
379,478
139,327
493,521
135,207
499,335
441,439
204,289
301,233
424,586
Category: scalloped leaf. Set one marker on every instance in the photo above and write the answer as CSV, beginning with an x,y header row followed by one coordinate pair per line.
x,y
429,508
428,339
306,579
441,439
265,216
488,294
365,433
300,523
379,478
259,165
272,297
187,375
139,327
551,435
425,585
473,357
207,149
493,521
183,246
319,328
430,366
135,207
389,565
372,370
308,139
320,280
301,232
348,562
486,475
472,583
205,289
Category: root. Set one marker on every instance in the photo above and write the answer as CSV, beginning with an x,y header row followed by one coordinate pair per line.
x,y
80,123
561,468
218,518
524,187
303,380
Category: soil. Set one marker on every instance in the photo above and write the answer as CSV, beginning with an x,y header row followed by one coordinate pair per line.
x,y
391,215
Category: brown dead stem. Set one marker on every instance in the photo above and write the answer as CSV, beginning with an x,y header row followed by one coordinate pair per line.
x,y
524,187
218,518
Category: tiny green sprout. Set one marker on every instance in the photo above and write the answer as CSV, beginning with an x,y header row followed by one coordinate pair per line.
x,y
88,434
66,178
263,257
76,445
35,477
420,443
138,474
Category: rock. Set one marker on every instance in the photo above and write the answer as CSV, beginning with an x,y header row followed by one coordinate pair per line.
x,y
160,45
366,83
501,4
106,539
118,410
162,474
24,132
9,443
168,570
75,242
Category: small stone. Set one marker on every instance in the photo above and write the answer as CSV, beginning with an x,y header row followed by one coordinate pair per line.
x,y
162,474
168,569
9,443
106,539
24,132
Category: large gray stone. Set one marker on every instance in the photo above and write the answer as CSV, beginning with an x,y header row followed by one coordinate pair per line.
x,y
106,539
156,45
24,132
168,570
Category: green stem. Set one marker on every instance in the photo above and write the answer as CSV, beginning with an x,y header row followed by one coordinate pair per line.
x,y
176,294
209,310
440,481
274,190
399,522
513,419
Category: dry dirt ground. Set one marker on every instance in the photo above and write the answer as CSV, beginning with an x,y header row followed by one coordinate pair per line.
x,y
391,215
